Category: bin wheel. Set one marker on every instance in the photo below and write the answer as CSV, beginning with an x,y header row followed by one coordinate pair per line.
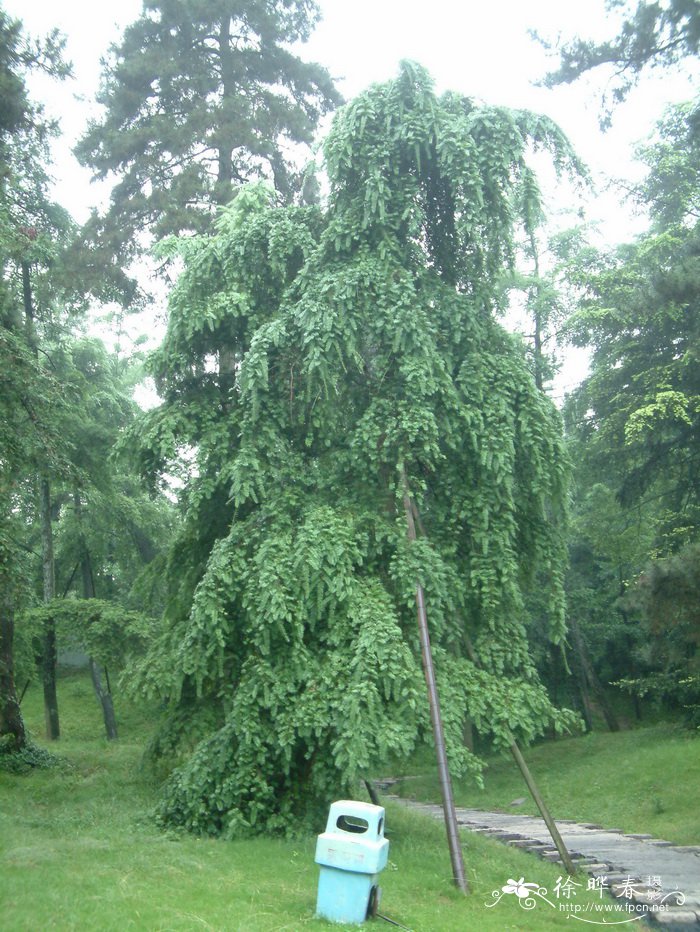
x,y
373,903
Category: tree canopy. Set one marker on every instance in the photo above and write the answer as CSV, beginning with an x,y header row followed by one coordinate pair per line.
x,y
639,314
29,401
634,424
200,97
366,352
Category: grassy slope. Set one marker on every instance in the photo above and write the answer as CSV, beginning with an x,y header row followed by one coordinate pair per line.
x,y
644,780
77,851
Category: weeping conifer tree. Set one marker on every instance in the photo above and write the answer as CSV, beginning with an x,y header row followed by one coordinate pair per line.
x,y
366,350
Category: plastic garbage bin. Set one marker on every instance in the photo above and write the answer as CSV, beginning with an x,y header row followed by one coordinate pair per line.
x,y
351,853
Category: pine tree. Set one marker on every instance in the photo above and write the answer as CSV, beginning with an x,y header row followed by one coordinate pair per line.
x,y
200,97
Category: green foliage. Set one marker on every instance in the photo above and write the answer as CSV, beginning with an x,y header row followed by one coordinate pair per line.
x,y
671,188
103,630
30,226
675,689
651,35
634,426
312,359
641,400
108,525
667,596
543,286
30,404
199,98
27,759
18,56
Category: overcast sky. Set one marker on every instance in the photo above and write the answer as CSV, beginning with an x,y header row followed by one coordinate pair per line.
x,y
481,49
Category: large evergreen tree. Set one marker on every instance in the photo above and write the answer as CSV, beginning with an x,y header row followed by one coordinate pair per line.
x,y
366,360
201,96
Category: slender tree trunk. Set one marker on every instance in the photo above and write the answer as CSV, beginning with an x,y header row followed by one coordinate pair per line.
x,y
104,697
224,180
637,705
28,307
11,722
586,706
102,690
48,639
537,316
591,677
468,734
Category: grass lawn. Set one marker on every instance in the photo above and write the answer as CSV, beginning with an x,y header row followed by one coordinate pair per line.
x,y
642,780
78,852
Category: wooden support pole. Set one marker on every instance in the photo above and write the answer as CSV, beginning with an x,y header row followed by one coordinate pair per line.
x,y
530,782
541,805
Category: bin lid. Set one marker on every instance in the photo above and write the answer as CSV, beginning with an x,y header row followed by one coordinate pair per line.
x,y
356,819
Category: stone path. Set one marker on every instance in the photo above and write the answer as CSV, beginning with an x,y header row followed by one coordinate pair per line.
x,y
627,862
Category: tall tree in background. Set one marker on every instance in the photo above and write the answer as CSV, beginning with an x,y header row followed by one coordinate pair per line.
x,y
655,34
640,406
29,441
199,97
110,528
635,421
367,358
45,290
542,289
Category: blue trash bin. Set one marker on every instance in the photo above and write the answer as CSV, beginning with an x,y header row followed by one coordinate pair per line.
x,y
351,853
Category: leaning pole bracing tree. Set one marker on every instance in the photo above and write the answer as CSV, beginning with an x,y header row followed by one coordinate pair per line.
x,y
368,360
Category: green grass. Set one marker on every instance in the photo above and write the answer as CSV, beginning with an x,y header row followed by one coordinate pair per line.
x,y
78,851
643,780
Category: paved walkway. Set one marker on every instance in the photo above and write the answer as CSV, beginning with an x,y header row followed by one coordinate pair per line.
x,y
638,867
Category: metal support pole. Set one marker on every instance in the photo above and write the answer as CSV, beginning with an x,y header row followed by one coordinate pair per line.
x,y
448,804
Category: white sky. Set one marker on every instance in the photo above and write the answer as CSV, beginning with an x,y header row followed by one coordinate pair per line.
x,y
479,48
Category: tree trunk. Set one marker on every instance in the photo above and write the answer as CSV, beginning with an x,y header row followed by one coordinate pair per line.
x,y
28,308
224,180
591,677
468,734
48,639
11,722
537,317
584,695
637,705
104,695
